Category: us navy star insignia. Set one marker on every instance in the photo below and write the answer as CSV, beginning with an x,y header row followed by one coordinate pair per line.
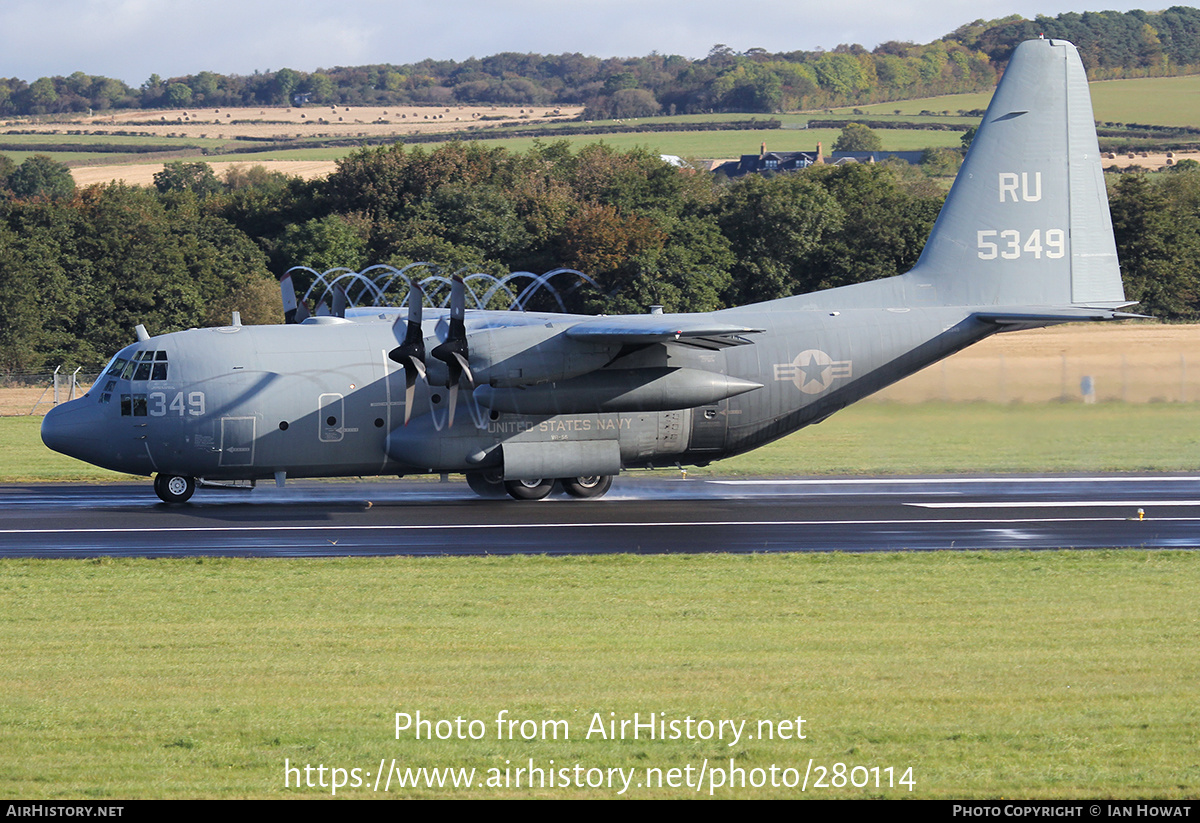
x,y
813,371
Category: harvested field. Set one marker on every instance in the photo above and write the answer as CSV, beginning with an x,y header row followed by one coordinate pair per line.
x,y
291,123
142,174
1152,161
1131,362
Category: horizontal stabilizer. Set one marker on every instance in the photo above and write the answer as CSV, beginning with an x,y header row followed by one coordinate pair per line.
x,y
1067,314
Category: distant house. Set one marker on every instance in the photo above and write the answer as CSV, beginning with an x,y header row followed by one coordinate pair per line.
x,y
784,161
913,158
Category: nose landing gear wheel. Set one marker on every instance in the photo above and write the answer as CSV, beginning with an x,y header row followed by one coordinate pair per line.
x,y
172,488
532,489
584,487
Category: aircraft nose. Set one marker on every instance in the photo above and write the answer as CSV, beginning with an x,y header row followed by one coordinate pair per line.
x,y
71,429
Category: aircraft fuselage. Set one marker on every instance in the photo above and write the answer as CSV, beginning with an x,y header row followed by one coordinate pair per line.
x,y
323,399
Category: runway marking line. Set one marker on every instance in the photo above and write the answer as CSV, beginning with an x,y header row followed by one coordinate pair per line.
x,y
876,481
1049,504
680,524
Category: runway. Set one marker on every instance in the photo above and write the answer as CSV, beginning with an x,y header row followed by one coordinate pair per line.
x,y
639,515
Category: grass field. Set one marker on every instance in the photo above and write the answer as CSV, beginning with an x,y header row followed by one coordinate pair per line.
x,y
1162,101
732,144
1006,674
1010,675
865,439
700,144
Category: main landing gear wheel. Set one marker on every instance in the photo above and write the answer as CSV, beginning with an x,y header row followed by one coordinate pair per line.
x,y
584,487
172,488
488,484
532,489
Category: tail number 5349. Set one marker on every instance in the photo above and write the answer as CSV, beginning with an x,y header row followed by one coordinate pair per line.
x,y
1010,245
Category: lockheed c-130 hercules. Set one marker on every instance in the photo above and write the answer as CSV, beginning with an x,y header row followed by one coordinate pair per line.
x,y
518,401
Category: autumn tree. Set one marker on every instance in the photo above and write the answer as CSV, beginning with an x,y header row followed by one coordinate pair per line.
x,y
857,137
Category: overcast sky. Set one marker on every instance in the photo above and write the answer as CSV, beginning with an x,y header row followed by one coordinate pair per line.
x,y
132,39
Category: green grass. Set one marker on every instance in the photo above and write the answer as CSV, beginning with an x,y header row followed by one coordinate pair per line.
x,y
951,103
704,144
731,144
109,140
868,438
950,438
1005,674
47,142
1008,674
1161,101
23,456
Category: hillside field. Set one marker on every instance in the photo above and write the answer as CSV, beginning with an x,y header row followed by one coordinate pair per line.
x,y
228,135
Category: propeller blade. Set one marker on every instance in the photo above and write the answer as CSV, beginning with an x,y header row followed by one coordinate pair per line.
x,y
454,351
458,307
411,353
340,301
294,310
453,404
410,385
413,347
464,368
414,337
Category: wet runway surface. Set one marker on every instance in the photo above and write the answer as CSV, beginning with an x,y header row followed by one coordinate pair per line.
x,y
641,515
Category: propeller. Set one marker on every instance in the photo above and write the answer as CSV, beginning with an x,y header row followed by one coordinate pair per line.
x,y
453,351
294,311
411,353
339,301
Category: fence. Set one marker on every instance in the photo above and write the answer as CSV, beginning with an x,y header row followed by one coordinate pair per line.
x,y
1006,379
1096,363
35,393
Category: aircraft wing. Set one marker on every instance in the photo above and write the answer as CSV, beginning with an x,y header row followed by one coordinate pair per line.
x,y
644,329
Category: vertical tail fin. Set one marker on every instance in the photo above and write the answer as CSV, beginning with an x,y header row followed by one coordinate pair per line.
x,y
1027,221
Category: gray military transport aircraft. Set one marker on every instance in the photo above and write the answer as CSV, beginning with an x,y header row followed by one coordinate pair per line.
x,y
518,401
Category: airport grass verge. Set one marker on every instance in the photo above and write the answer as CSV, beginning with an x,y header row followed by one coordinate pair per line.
x,y
1003,674
865,439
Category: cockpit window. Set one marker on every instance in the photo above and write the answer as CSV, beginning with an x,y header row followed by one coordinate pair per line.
x,y
145,365
115,367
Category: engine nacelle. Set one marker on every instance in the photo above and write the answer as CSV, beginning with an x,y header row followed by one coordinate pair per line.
x,y
624,390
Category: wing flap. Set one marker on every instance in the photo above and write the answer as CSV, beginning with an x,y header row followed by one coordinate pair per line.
x,y
643,330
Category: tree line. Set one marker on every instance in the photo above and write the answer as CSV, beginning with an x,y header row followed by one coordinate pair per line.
x,y
970,59
82,267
